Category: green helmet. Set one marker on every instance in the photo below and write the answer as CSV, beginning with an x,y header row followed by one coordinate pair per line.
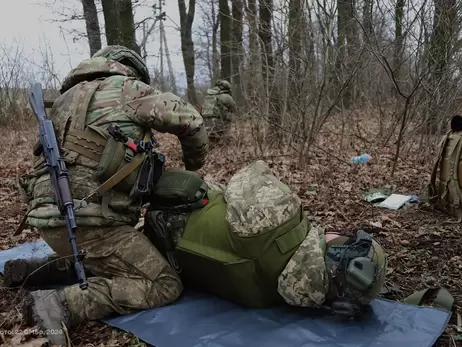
x,y
126,57
224,85
357,269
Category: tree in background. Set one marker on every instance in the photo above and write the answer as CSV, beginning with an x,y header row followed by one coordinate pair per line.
x,y
119,23
92,25
297,63
440,52
265,36
208,41
347,47
237,51
225,39
187,47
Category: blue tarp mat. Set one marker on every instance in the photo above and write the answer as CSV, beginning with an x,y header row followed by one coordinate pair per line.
x,y
198,320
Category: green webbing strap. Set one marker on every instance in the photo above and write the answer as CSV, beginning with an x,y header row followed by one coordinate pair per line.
x,y
454,187
443,300
432,191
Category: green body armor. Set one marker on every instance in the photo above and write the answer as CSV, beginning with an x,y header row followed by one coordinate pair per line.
x,y
219,258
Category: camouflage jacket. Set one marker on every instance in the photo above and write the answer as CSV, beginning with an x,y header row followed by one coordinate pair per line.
x,y
137,108
304,281
258,201
218,104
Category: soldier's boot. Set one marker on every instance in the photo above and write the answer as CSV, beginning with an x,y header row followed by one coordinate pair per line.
x,y
37,272
47,311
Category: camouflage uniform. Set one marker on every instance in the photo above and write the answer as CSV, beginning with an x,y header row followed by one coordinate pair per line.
x,y
304,281
130,274
217,109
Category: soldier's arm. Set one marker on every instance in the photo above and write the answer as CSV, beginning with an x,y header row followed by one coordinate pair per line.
x,y
168,113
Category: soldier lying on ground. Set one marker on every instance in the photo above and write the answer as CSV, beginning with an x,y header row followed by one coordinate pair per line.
x,y
250,242
129,273
217,111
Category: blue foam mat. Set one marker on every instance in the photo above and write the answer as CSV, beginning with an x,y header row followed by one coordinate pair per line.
x,y
198,320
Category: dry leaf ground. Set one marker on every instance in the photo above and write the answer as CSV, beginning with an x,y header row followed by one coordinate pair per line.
x,y
424,250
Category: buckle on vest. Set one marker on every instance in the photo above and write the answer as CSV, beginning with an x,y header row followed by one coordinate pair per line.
x,y
129,155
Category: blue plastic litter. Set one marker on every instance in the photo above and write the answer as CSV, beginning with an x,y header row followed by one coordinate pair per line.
x,y
198,320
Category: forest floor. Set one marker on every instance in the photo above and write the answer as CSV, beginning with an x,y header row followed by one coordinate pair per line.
x,y
424,249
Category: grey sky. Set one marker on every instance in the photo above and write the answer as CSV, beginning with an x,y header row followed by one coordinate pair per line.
x,y
27,22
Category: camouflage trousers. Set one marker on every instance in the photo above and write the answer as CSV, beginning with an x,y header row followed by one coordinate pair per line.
x,y
130,273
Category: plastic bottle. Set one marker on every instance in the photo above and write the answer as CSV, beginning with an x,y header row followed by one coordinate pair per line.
x,y
363,158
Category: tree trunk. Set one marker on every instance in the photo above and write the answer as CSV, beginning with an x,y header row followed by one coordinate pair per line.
x,y
251,13
127,25
352,30
265,35
296,28
267,64
215,55
367,19
347,46
187,47
225,39
444,25
399,40
111,21
441,46
253,55
237,49
92,25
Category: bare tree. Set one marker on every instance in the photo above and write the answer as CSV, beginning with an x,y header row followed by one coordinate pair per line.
x,y
225,39
253,53
439,56
111,22
237,48
208,41
187,46
127,25
92,25
368,6
296,27
265,36
347,45
399,36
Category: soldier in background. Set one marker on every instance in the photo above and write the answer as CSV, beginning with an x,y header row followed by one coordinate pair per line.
x,y
217,111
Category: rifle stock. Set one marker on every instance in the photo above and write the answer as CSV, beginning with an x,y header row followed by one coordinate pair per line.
x,y
59,176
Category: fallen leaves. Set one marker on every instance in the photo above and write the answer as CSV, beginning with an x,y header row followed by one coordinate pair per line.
x,y
421,248
376,224
19,341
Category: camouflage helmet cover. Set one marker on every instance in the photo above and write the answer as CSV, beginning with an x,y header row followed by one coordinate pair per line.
x,y
223,85
126,57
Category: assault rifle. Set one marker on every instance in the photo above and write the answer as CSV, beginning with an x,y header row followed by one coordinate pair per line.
x,y
59,176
